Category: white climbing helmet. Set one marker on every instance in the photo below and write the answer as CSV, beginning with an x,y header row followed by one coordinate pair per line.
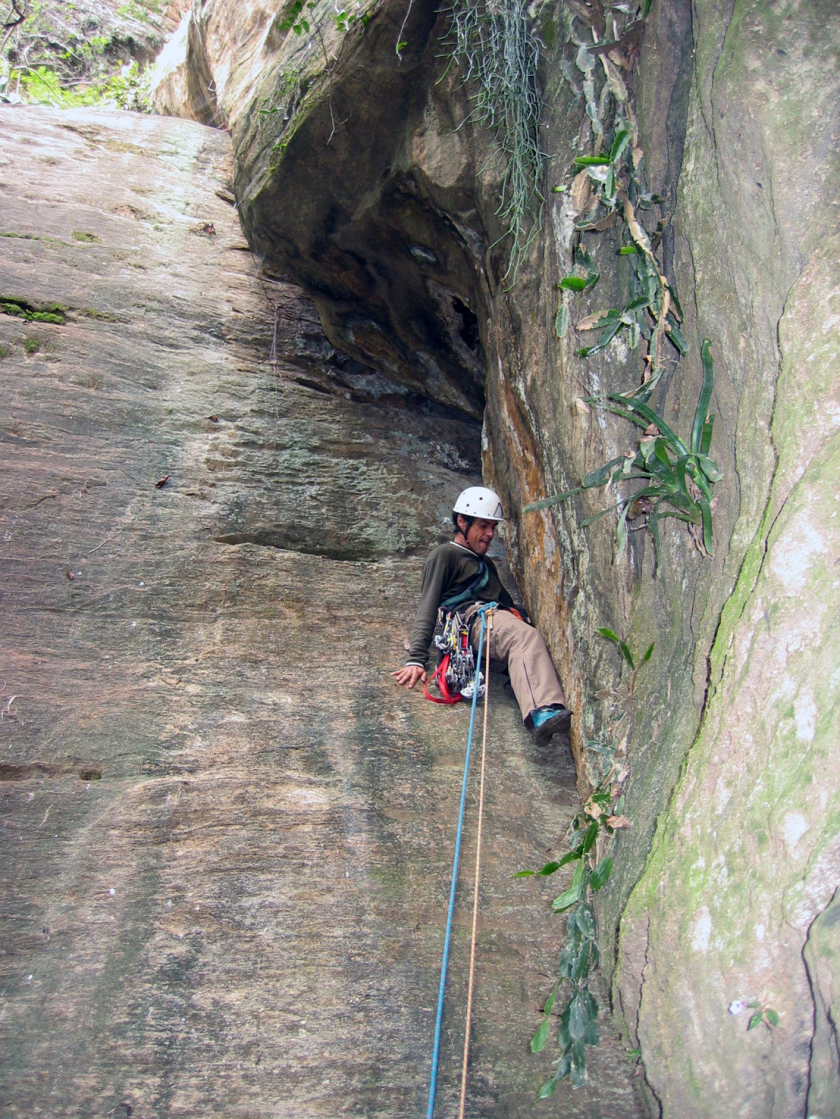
x,y
478,501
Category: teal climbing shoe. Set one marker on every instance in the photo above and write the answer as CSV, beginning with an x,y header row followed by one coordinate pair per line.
x,y
545,722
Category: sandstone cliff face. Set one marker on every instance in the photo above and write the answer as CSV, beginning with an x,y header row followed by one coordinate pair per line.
x,y
746,858
226,835
387,217
326,182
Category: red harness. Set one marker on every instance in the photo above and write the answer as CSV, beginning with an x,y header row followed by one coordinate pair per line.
x,y
439,677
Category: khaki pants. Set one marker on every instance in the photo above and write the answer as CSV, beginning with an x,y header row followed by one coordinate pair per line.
x,y
520,647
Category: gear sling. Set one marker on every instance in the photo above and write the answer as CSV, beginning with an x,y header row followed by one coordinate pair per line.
x,y
456,673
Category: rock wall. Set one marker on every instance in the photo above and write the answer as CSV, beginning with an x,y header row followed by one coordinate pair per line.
x,y
388,255
358,184
226,834
745,858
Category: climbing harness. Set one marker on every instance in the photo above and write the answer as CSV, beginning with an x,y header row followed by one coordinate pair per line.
x,y
456,673
486,624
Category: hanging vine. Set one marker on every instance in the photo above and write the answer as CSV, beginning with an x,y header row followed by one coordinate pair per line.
x,y
497,53
590,832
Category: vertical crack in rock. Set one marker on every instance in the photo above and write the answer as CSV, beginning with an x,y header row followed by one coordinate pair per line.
x,y
821,955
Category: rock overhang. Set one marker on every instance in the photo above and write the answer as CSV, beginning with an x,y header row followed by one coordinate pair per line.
x,y
390,247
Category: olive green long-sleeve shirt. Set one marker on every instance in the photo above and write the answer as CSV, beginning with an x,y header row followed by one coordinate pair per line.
x,y
450,569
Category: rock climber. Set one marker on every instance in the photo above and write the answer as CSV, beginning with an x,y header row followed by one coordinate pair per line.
x,y
460,574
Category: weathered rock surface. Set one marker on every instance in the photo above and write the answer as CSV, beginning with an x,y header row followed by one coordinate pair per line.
x,y
733,731
746,857
391,257
226,834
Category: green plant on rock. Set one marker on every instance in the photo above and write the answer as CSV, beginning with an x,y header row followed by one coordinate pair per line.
x,y
286,97
137,11
578,1021
601,817
497,53
123,90
57,54
762,1015
628,658
296,17
609,189
345,19
49,312
301,18
288,83
678,479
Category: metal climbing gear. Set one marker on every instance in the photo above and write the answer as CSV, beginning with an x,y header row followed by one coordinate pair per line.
x,y
456,673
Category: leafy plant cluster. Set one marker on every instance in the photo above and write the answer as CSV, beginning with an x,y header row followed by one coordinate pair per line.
x,y
600,818
287,89
299,14
497,53
62,55
301,17
762,1015
628,659
609,189
578,1021
676,477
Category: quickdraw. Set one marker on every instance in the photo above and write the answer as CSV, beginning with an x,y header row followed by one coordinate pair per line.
x,y
455,675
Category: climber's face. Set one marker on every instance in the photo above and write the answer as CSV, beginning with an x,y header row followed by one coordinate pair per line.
x,y
479,535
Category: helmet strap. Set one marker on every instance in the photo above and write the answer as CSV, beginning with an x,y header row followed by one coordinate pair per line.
x,y
463,532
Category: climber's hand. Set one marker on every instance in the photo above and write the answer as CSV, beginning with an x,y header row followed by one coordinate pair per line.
x,y
410,674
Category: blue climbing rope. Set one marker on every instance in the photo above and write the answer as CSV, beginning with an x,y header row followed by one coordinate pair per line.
x,y
482,611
